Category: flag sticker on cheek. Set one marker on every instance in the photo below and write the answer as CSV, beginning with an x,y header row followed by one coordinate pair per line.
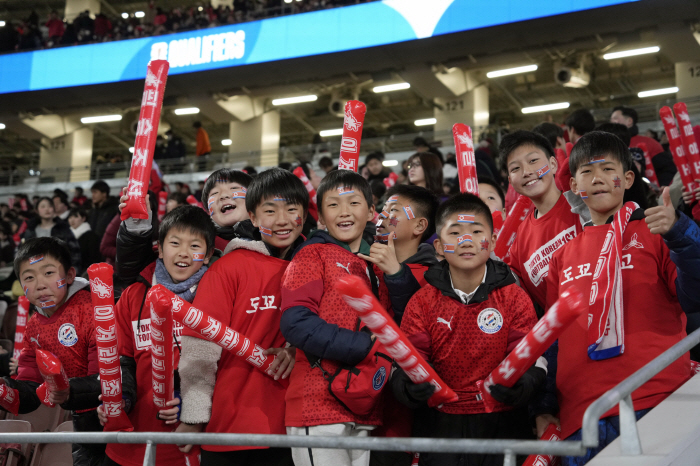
x,y
409,212
34,259
26,290
266,231
464,238
484,245
384,214
617,181
448,248
198,257
238,195
584,194
212,201
61,282
542,171
299,222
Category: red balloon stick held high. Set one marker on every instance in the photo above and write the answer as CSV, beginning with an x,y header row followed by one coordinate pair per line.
x,y
162,354
146,132
352,135
360,298
22,315
676,146
516,216
466,163
690,145
299,172
162,204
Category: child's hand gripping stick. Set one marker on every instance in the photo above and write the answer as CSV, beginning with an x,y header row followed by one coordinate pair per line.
x,y
551,434
102,292
213,330
146,132
676,146
533,345
9,399
466,163
55,378
355,292
162,354
352,135
22,314
162,204
299,172
516,216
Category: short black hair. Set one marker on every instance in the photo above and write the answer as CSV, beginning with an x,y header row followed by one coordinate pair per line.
x,y
491,182
374,156
249,169
619,130
79,189
626,111
460,203
378,188
45,246
550,131
189,218
325,162
44,198
424,204
512,141
598,145
341,179
100,186
420,142
177,196
62,198
225,175
276,182
581,120
77,212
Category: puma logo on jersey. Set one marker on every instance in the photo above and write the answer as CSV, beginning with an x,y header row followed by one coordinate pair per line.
x,y
634,243
440,320
346,267
35,341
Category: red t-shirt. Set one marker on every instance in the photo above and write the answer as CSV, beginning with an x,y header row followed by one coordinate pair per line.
x,y
653,322
653,146
242,290
536,241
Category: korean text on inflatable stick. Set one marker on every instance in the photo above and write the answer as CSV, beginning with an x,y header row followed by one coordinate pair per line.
x,y
676,146
466,163
162,204
533,345
162,354
352,135
299,172
551,434
213,330
506,237
690,145
55,378
22,314
360,298
102,292
649,171
9,399
146,132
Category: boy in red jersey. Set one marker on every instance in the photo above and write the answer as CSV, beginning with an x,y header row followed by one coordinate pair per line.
x,y
531,166
63,325
639,285
242,290
464,322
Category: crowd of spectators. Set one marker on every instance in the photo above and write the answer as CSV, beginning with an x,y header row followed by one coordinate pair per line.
x,y
35,32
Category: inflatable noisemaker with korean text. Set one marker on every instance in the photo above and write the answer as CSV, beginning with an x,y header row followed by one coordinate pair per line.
x,y
649,171
690,145
146,132
352,135
102,293
55,378
466,163
299,172
162,355
162,204
551,434
9,399
22,315
676,146
356,294
533,345
506,237
211,329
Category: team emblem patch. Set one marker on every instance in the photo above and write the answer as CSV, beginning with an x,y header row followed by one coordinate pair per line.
x,y
489,320
67,335
379,378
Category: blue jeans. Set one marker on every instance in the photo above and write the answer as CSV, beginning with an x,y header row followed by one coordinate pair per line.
x,y
608,430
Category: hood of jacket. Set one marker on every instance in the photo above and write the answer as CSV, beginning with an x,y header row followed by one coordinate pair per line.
x,y
77,285
498,275
424,256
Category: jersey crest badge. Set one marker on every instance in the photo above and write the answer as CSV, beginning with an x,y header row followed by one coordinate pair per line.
x,y
67,336
489,321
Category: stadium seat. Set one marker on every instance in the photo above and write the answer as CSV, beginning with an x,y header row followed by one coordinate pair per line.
x,y
44,419
54,454
8,426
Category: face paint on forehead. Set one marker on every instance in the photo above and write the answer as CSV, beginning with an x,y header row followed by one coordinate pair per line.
x,y
595,161
392,199
345,190
461,218
34,259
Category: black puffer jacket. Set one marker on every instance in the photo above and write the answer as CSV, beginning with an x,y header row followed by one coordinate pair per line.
x,y
60,230
99,217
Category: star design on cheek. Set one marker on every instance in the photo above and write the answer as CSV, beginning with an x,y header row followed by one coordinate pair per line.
x,y
393,221
484,245
298,220
617,181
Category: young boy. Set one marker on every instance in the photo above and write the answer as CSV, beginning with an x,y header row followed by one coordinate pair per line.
x,y
185,247
223,196
319,324
653,267
63,325
492,195
242,290
531,166
464,322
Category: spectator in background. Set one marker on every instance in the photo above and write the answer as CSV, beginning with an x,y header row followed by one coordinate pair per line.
x,y
425,170
553,133
198,192
159,149
203,146
579,123
174,201
421,145
326,164
56,28
103,27
60,205
375,168
7,244
249,169
79,197
87,239
105,207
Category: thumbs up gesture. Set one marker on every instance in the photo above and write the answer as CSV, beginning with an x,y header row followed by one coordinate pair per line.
x,y
661,219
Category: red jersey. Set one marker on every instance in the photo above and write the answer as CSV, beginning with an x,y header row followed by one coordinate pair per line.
x,y
134,331
69,334
653,322
465,342
418,271
242,290
536,241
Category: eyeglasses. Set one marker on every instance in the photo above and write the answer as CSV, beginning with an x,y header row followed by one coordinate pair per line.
x,y
415,164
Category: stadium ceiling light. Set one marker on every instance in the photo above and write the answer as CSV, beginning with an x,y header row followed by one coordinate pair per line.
x,y
425,122
667,90
2,126
100,119
125,15
509,71
186,111
2,23
544,108
139,14
391,87
331,132
631,53
295,100
226,142
390,163
131,149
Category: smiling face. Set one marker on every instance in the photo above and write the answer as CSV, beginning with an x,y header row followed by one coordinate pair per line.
x,y
45,282
531,172
403,227
280,222
183,253
602,184
226,203
471,243
345,214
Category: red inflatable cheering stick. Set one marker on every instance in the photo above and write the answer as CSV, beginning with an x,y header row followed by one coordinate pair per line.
x,y
352,135
162,354
676,146
466,163
649,171
102,292
506,237
55,378
690,145
22,314
212,330
360,298
551,434
162,204
146,132
564,312
9,399
299,172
